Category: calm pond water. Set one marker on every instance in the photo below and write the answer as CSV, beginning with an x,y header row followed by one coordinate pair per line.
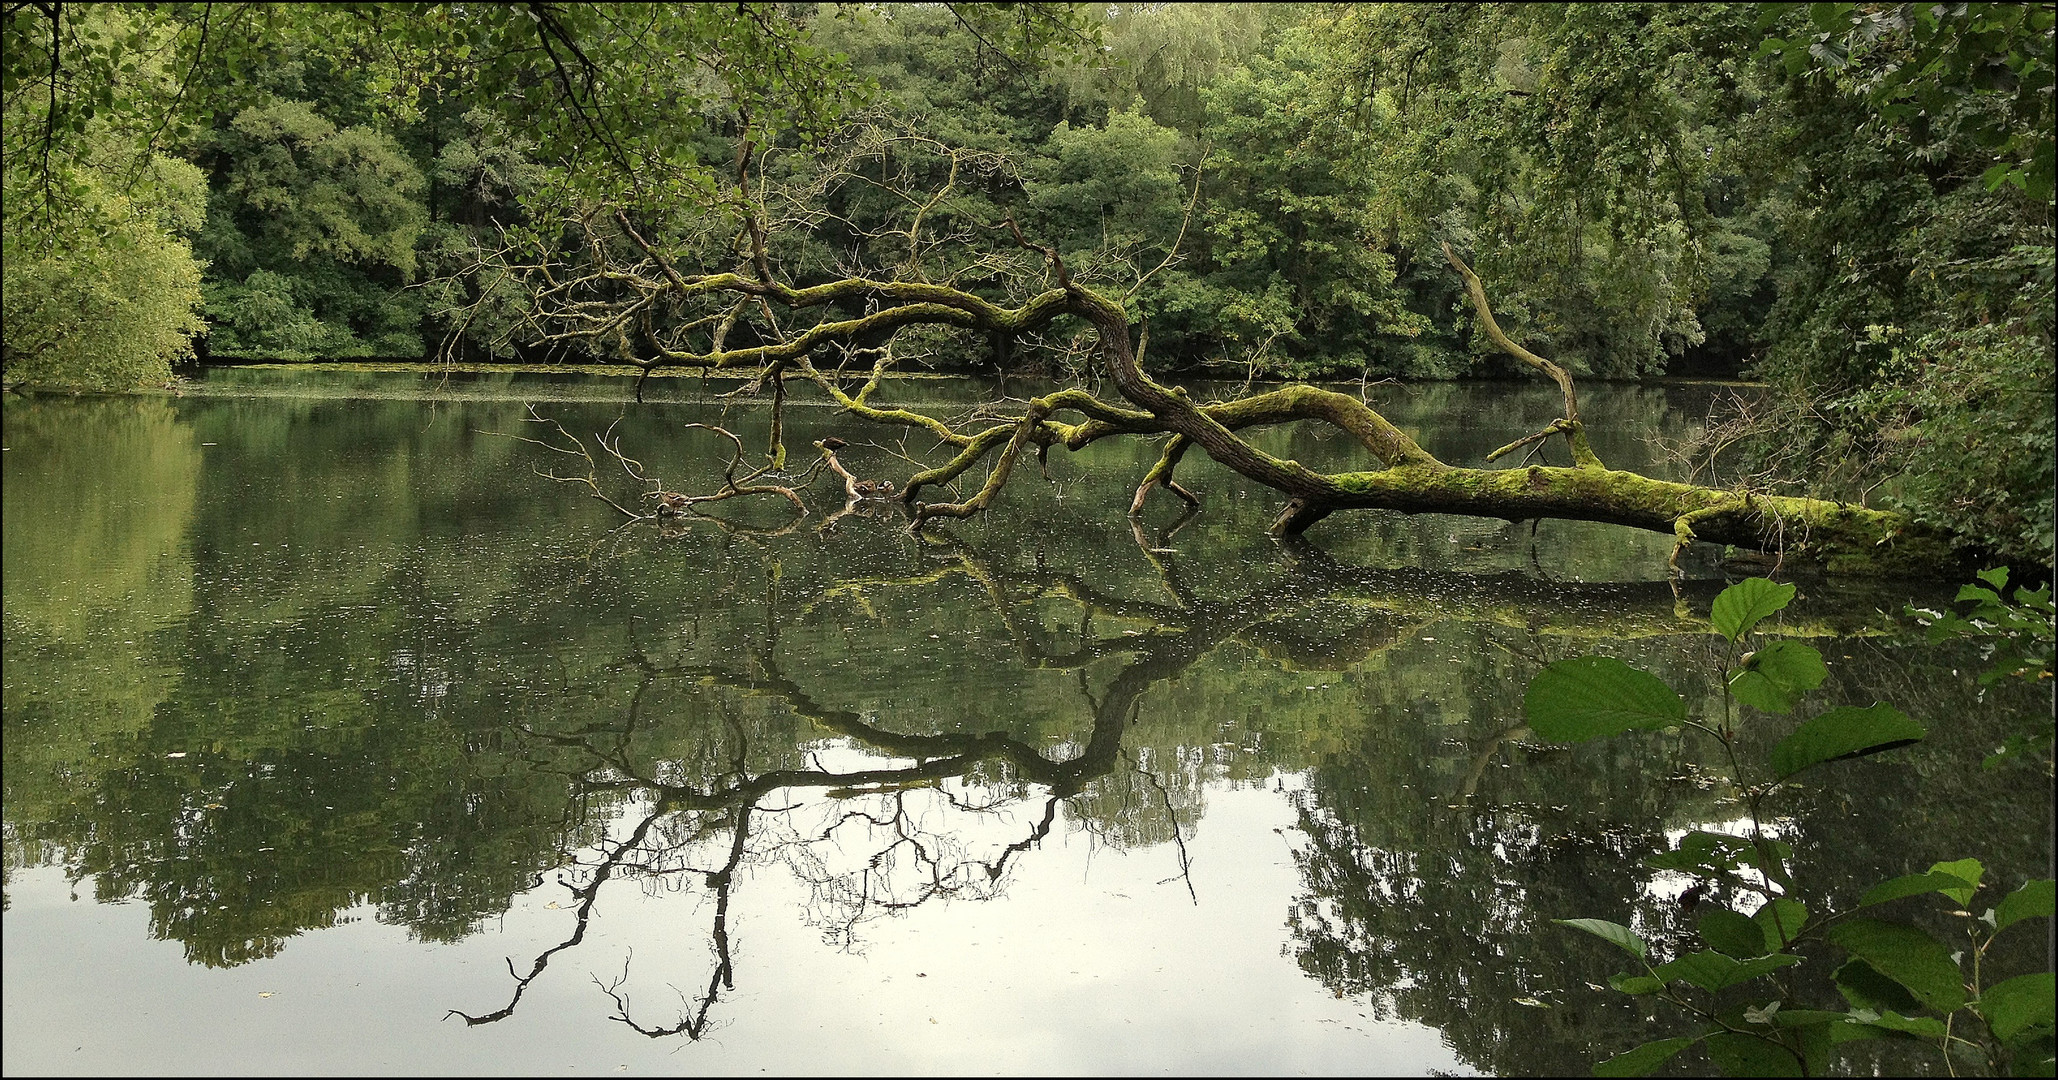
x,y
339,740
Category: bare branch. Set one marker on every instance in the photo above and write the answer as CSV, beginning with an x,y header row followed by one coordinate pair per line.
x,y
1172,253
1575,436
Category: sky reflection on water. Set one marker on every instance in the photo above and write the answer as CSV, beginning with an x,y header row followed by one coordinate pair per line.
x,y
1096,964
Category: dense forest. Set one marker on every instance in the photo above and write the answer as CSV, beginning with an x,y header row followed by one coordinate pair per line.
x,y
1851,203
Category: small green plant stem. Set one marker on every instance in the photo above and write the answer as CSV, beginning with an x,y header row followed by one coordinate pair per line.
x,y
1707,1016
1979,952
1753,798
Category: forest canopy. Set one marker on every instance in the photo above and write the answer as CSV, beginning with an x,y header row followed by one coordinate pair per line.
x,y
1850,202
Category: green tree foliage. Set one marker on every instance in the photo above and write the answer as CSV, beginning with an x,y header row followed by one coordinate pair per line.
x,y
1293,253
1161,58
918,63
100,280
108,304
1111,198
480,177
321,192
1570,145
1913,333
311,236
2017,634
1852,201
274,94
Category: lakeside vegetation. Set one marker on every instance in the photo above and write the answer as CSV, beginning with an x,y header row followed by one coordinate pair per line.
x,y
1850,202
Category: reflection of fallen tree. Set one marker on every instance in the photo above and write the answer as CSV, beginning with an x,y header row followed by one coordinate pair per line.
x,y
872,841
855,810
925,815
586,896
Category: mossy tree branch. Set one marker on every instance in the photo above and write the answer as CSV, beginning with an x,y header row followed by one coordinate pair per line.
x,y
726,320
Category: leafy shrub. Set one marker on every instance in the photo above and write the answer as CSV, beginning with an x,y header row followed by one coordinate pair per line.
x,y
1897,981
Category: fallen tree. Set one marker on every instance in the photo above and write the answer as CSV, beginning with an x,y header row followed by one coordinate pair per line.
x,y
628,298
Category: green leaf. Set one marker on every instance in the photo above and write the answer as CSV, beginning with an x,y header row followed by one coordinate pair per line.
x,y
1613,932
1637,985
1974,592
1732,934
1771,677
1740,606
2028,902
1709,854
1699,850
1642,1060
1780,921
1830,18
1854,1031
1687,862
1592,697
1713,971
1907,956
1771,861
2023,1003
1759,692
1929,1027
1865,988
1749,1055
1911,885
1802,1032
1762,965
1844,732
1893,1023
1967,870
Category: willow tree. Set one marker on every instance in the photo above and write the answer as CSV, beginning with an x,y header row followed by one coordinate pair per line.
x,y
743,288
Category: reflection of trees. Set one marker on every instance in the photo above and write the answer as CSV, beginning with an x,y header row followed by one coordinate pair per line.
x,y
433,728
929,815
900,807
100,499
1429,885
1452,933
345,734
305,721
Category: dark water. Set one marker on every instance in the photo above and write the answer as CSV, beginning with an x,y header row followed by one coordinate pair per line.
x,y
337,739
